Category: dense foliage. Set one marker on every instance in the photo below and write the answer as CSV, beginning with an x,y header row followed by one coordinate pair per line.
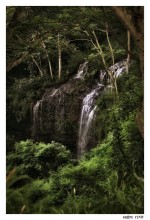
x,y
108,179
92,186
45,177
37,160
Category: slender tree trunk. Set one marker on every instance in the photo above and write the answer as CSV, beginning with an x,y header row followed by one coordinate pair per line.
x,y
112,79
140,119
59,58
129,49
49,64
113,60
48,59
40,70
100,49
97,47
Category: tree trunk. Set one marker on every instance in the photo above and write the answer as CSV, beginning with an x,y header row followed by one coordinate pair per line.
x,y
49,64
136,29
48,59
59,57
140,119
40,70
17,62
113,60
129,49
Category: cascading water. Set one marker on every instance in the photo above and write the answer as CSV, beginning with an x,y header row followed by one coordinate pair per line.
x,y
37,112
89,106
55,116
119,68
83,68
87,115
36,119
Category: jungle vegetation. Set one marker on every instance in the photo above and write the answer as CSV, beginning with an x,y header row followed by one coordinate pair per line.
x,y
45,46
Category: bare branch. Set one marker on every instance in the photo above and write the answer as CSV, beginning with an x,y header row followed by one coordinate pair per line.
x,y
23,58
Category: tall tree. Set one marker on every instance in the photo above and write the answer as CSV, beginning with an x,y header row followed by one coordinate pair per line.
x,y
133,20
59,57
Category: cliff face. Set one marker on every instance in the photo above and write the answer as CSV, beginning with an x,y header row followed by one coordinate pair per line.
x,y
66,113
56,116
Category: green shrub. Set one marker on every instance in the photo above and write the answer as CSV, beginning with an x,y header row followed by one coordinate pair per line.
x,y
92,186
16,201
38,159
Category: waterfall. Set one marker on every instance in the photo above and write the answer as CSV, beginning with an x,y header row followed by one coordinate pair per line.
x,y
56,114
86,118
36,118
36,110
82,71
52,106
89,106
117,70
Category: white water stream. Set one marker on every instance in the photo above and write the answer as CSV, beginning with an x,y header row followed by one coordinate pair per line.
x,y
86,118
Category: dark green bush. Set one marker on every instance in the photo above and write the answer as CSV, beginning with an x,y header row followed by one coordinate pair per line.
x,y
92,186
38,159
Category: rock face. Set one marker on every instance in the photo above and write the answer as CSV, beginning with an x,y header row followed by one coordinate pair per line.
x,y
65,113
56,116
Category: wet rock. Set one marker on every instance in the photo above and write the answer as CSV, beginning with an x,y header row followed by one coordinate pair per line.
x,y
65,113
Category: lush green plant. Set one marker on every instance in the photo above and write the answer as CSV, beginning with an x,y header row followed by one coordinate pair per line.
x,y
89,187
16,201
38,159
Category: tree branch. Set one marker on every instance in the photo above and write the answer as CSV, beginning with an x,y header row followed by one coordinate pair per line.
x,y
17,62
126,19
